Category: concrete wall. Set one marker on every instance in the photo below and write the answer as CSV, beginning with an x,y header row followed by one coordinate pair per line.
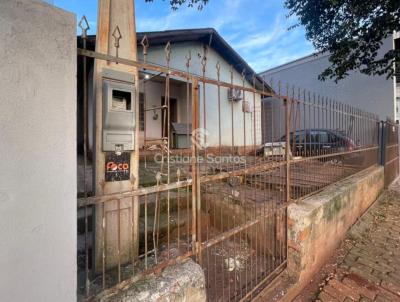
x,y
371,93
317,224
38,152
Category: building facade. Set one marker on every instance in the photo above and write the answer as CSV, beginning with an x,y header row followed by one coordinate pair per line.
x,y
195,44
376,94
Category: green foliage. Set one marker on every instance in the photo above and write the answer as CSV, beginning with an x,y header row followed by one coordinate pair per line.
x,y
175,4
352,32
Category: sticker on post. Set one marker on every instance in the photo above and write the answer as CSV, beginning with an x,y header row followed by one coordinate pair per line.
x,y
117,166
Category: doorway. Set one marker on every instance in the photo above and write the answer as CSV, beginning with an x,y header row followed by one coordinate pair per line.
x,y
173,107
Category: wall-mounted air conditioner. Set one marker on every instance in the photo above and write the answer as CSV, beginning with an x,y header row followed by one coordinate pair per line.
x,y
235,95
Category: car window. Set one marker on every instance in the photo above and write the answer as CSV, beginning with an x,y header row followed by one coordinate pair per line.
x,y
323,137
333,138
312,136
299,138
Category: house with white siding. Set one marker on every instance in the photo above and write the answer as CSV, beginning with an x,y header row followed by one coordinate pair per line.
x,y
194,44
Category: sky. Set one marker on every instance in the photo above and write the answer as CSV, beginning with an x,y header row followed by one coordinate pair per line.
x,y
256,29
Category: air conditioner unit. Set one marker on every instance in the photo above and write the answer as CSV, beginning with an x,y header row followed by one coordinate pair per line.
x,y
246,107
235,94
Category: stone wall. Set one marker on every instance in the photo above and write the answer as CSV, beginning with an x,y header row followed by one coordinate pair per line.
x,y
183,282
317,224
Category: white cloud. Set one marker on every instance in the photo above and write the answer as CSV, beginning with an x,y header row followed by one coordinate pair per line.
x,y
273,46
260,39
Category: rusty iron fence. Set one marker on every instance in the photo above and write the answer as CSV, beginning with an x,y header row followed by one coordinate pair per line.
x,y
390,150
329,141
214,187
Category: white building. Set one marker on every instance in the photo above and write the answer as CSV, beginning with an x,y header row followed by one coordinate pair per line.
x,y
375,94
152,87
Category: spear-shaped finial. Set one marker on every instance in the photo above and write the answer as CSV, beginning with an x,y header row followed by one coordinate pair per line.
x,y
117,37
145,45
84,25
168,52
218,67
188,59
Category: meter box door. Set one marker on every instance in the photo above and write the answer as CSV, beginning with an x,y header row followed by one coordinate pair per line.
x,y
119,103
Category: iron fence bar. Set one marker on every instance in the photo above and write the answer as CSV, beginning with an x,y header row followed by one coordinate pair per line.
x,y
391,161
253,116
194,165
138,192
145,232
188,130
287,155
119,240
245,175
103,244
84,25
168,103
384,142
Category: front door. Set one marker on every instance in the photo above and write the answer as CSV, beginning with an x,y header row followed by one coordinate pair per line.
x,y
173,115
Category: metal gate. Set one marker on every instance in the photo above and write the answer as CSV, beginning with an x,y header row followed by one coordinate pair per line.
x,y
213,186
208,200
390,150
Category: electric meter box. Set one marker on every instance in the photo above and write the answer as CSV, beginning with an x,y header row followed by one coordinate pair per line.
x,y
119,103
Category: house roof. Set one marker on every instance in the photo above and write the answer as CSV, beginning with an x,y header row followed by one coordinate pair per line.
x,y
207,36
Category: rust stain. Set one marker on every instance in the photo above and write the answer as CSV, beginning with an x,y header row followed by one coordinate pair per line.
x,y
304,234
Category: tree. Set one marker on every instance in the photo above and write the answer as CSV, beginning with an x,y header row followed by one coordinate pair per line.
x,y
351,31
175,4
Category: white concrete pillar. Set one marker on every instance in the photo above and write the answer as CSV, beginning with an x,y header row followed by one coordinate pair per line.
x,y
37,152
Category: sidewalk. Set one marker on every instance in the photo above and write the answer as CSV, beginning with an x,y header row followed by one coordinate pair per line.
x,y
370,270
